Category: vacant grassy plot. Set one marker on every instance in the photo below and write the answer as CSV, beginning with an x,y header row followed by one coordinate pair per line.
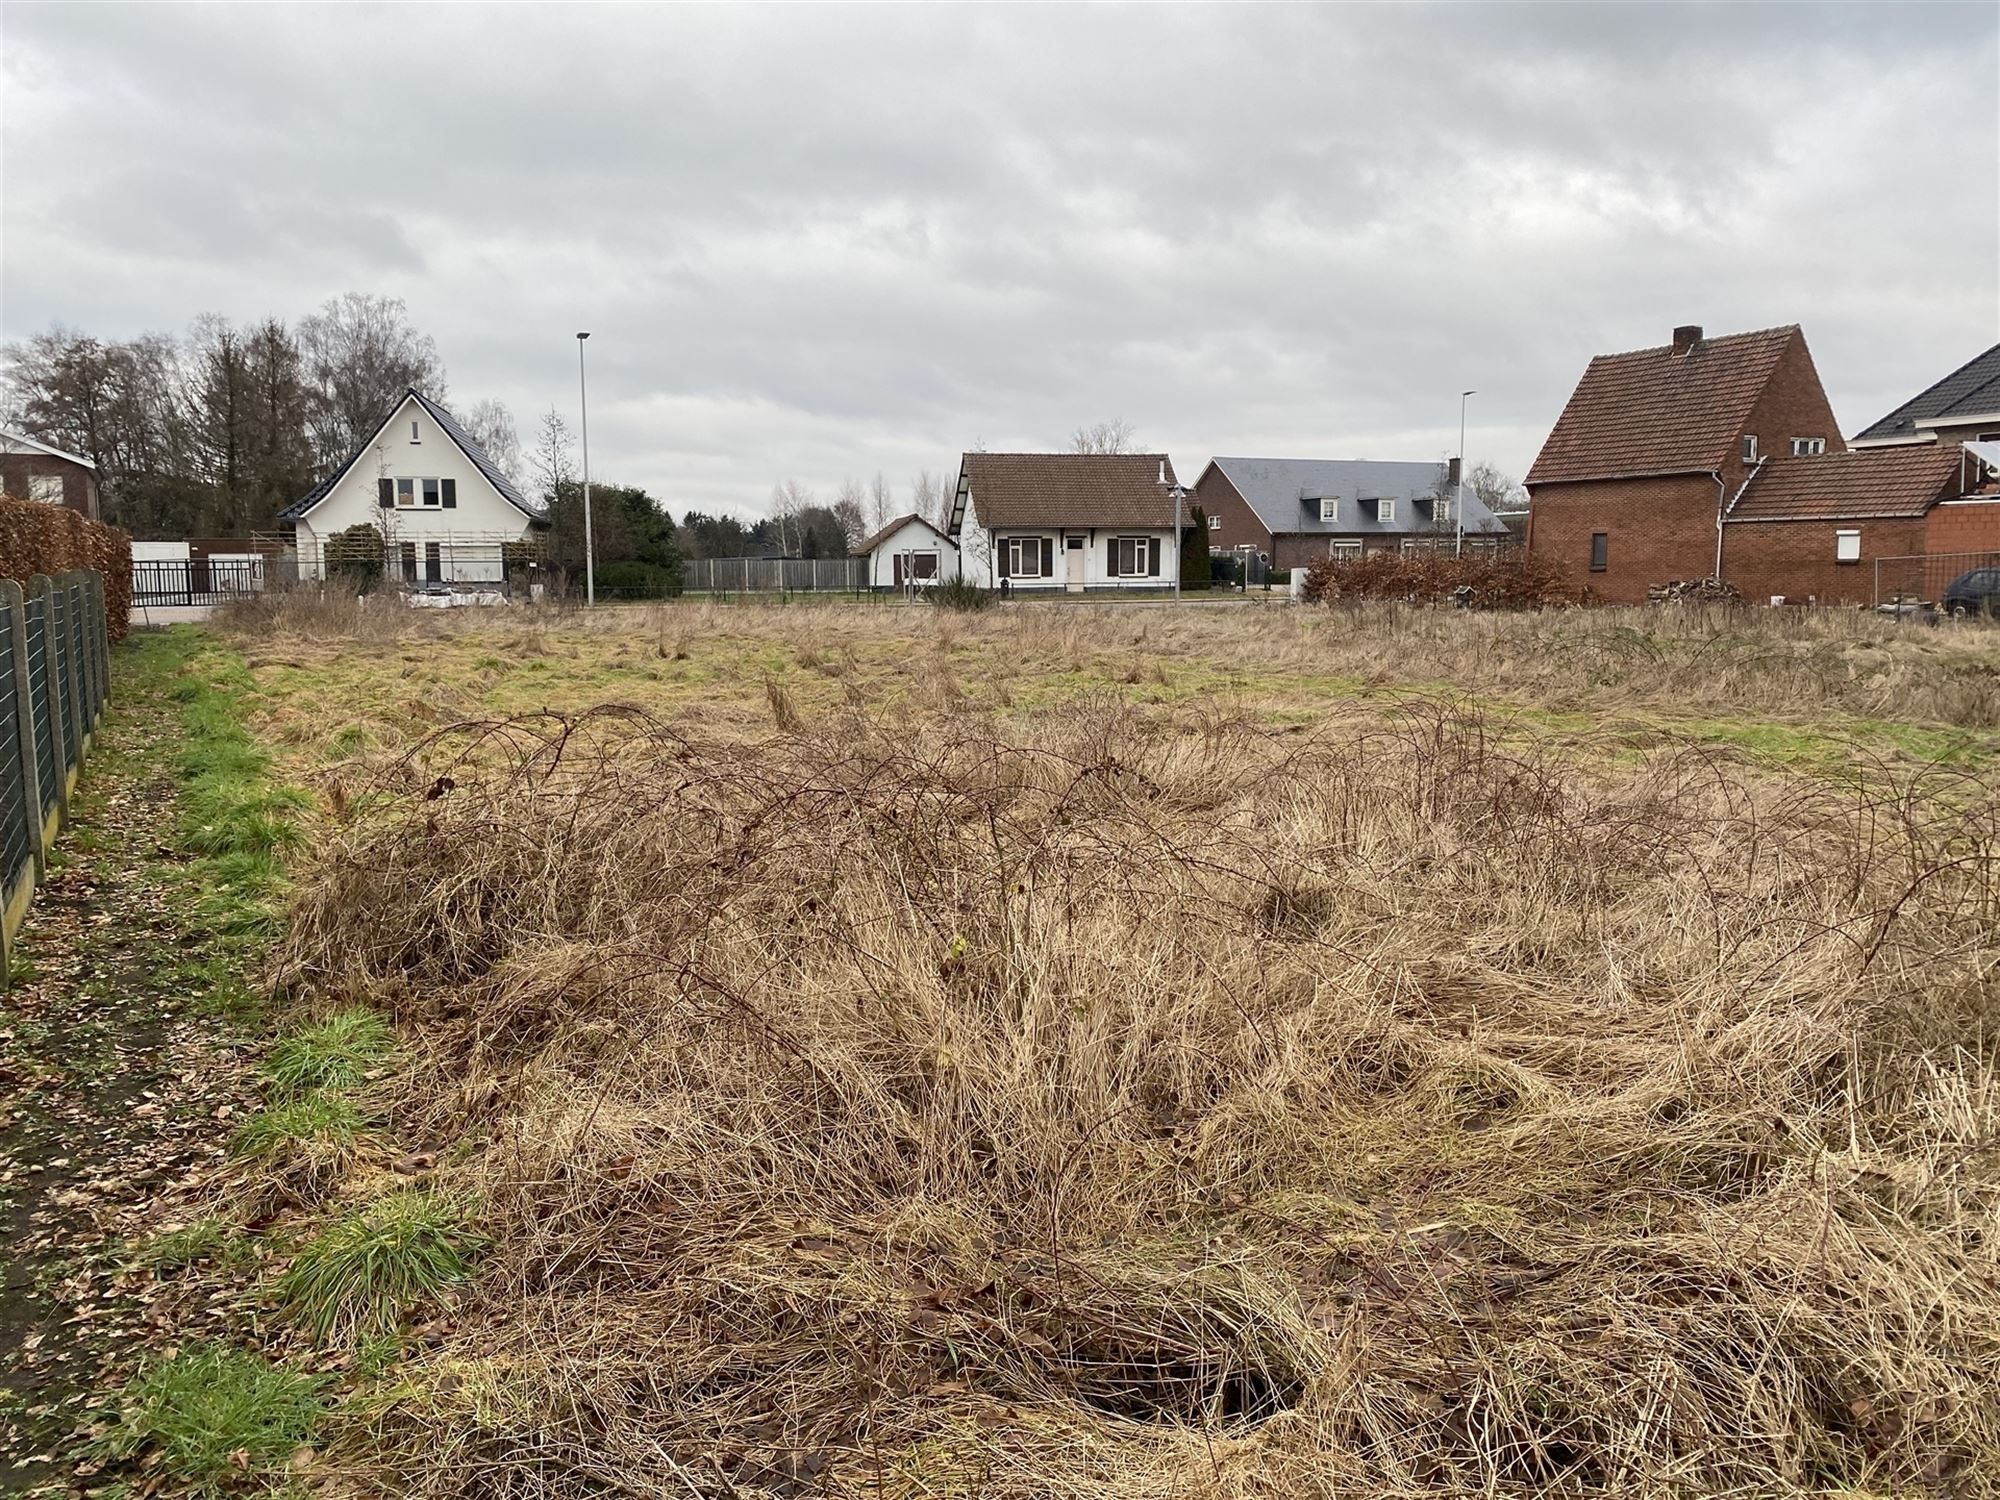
x,y
1228,1052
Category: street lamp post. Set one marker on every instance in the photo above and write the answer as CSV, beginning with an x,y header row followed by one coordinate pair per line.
x,y
1180,494
1458,501
589,551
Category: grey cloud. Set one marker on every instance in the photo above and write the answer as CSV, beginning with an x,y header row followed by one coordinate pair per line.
x,y
821,241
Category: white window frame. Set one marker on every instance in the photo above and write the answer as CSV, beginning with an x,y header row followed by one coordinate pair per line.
x,y
1215,522
406,494
1329,507
1847,546
1749,447
1808,447
1019,547
415,436
431,493
1142,555
914,570
40,487
1441,510
1385,510
1343,549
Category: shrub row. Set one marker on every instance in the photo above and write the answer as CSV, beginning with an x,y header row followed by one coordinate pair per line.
x,y
1499,580
39,538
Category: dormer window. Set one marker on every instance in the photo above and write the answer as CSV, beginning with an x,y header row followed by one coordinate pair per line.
x,y
1329,508
413,433
1749,447
1385,510
1808,447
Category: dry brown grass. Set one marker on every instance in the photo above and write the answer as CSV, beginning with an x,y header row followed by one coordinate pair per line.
x,y
1146,1101
396,674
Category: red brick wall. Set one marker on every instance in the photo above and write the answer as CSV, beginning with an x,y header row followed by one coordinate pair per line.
x,y
1963,526
79,487
1657,530
1795,558
1793,405
1240,525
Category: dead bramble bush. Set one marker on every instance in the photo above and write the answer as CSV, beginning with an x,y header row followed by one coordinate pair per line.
x,y
1146,1106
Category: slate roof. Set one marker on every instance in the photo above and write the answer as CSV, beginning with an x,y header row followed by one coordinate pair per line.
x,y
1285,493
1860,484
1972,390
36,445
875,539
1653,411
1066,489
447,424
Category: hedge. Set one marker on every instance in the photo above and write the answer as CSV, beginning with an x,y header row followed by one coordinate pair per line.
x,y
36,537
1513,579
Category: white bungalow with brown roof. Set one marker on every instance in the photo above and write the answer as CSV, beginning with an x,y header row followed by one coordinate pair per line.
x,y
908,552
1066,522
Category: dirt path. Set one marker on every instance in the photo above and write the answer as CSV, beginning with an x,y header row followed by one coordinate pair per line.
x,y
116,1093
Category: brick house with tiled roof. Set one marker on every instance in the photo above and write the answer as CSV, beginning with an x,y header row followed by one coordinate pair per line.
x,y
1632,484
1066,521
1812,527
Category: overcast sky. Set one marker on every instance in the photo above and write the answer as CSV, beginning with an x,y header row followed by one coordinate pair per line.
x,y
821,242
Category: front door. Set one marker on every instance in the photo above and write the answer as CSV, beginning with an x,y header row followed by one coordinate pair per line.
x,y
433,563
902,558
409,550
1073,563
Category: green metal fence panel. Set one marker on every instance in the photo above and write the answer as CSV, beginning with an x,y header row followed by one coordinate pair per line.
x,y
56,653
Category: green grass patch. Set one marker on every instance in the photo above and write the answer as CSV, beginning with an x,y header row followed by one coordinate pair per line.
x,y
213,1240
337,1053
217,1418
323,1118
372,1264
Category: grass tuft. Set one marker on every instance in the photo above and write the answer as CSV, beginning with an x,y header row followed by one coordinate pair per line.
x,y
337,1053
212,1240
368,1267
313,1120
218,1418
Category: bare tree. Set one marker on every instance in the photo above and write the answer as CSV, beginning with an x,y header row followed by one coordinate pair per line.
x,y
361,354
553,460
929,498
789,501
881,503
491,425
1114,436
1496,490
850,508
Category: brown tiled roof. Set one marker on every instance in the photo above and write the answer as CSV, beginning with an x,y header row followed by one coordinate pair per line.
x,y
1860,484
1068,489
1653,411
869,543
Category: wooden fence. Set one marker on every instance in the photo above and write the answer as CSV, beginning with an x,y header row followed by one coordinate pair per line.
x,y
53,633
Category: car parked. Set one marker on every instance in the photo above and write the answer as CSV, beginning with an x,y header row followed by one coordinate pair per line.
x,y
1973,593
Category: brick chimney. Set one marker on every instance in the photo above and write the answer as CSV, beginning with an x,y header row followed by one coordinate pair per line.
x,y
1686,337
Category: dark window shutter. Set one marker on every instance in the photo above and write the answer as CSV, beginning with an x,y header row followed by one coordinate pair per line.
x,y
1153,563
1048,558
1006,567
385,491
450,488
1111,557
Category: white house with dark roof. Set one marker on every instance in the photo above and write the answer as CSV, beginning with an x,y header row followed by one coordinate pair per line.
x,y
1964,407
1066,521
444,509
908,552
